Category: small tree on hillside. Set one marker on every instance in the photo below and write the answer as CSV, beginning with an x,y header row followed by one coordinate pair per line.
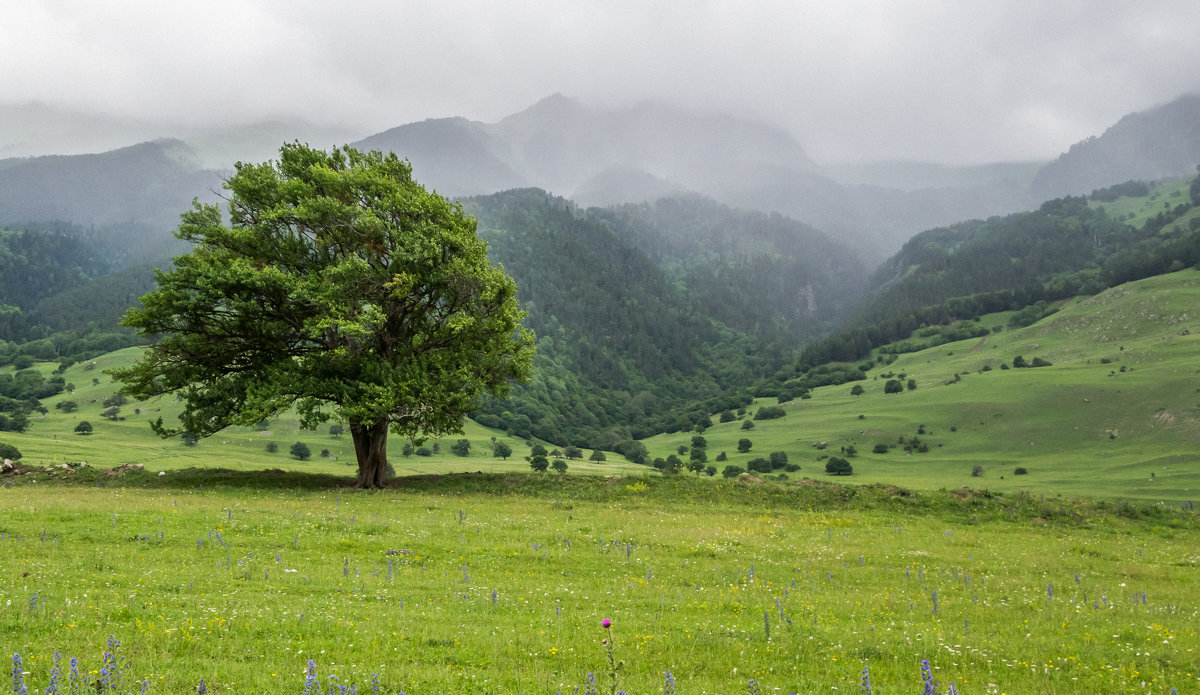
x,y
539,463
893,386
300,451
462,447
744,445
559,466
597,456
84,427
838,466
857,390
501,450
10,452
572,452
336,430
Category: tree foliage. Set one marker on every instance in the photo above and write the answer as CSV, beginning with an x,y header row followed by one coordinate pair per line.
x,y
340,287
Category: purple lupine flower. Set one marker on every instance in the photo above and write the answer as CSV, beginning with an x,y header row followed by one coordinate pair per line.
x,y
201,688
311,685
669,684
18,675
866,681
927,677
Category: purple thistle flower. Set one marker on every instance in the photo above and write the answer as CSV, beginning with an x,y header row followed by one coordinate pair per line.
x,y
606,623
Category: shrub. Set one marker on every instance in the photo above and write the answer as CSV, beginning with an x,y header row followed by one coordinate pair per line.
x,y
66,406
1020,470
501,450
423,451
537,450
710,471
10,452
272,447
1019,362
779,459
770,412
791,468
744,445
747,425
732,471
838,466
893,386
857,390
727,416
300,450
325,454
597,456
721,456
759,465
189,438
539,463
977,471
880,448
559,466
84,427
407,449
461,447
1039,362
572,452
336,430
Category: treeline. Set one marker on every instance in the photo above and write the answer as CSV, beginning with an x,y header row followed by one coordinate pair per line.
x,y
1064,249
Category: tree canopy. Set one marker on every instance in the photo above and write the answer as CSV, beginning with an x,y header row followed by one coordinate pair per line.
x,y
340,287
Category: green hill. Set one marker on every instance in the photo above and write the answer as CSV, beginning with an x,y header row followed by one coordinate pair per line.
x,y
1116,414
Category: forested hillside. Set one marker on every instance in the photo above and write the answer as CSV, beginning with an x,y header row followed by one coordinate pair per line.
x,y
622,351
1070,246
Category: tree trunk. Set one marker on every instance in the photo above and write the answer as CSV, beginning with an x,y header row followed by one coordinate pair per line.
x,y
370,446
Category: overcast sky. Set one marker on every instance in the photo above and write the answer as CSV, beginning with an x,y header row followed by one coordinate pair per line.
x,y
936,80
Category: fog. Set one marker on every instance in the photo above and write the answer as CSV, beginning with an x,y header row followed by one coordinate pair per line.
x,y
938,80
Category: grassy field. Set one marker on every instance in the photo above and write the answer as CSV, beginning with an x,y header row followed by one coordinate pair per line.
x,y
499,584
1117,414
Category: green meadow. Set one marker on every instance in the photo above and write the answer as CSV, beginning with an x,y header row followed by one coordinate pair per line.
x,y
227,562
499,583
1117,414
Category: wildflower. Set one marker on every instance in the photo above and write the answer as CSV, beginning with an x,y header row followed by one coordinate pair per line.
x,y
927,677
202,688
18,676
866,681
669,685
606,623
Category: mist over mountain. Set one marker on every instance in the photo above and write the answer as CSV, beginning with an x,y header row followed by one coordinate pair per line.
x,y
1148,145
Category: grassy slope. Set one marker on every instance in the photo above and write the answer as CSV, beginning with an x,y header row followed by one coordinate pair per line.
x,y
51,440
1058,421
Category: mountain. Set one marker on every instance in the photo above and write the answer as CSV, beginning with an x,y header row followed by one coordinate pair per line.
x,y
638,154
149,184
1157,143
650,316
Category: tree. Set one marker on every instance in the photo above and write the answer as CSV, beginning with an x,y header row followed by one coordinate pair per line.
x,y
743,445
700,455
501,450
112,412
893,386
696,467
699,442
538,450
10,452
272,447
572,452
336,430
597,456
838,466
462,447
779,459
539,463
84,427
559,466
300,451
342,288
67,406
857,390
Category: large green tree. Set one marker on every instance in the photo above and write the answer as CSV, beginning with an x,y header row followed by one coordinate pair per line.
x,y
339,287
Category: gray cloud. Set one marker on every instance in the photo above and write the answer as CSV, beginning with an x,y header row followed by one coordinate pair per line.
x,y
943,80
